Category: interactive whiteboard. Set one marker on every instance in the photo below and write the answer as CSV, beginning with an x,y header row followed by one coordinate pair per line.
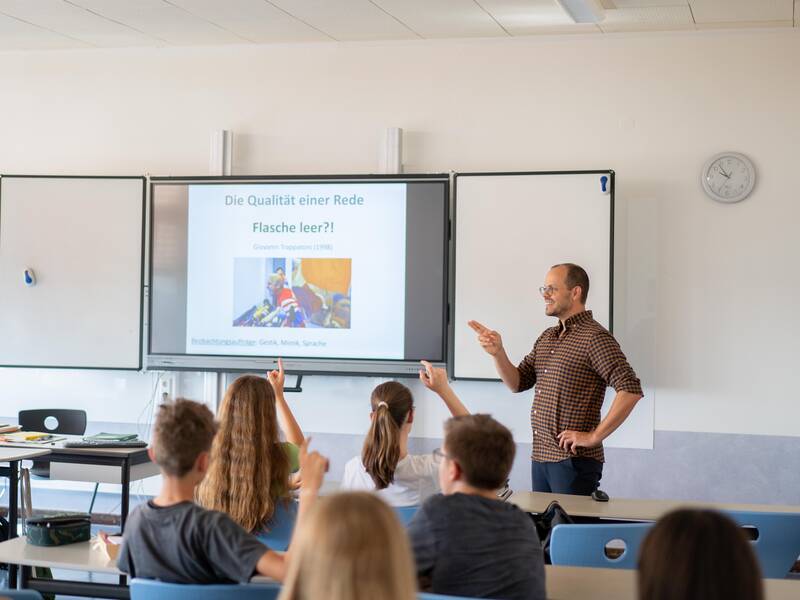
x,y
80,239
509,229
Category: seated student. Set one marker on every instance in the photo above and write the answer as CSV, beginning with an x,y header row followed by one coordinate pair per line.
x,y
467,542
401,479
249,475
698,554
172,539
352,547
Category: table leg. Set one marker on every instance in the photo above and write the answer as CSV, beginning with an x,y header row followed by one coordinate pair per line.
x,y
13,515
125,502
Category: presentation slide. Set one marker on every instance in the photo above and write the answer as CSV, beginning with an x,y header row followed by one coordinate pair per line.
x,y
311,270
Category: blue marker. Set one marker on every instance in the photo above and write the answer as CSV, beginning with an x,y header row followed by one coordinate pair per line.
x,y
30,278
604,184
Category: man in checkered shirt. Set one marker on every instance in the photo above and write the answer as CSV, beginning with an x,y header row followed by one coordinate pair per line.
x,y
571,365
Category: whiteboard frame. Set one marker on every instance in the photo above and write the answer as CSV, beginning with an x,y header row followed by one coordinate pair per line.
x,y
451,300
143,179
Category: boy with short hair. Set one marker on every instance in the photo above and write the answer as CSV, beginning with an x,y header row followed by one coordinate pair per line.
x,y
467,542
171,538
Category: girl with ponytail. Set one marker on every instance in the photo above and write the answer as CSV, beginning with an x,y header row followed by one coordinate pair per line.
x,y
385,465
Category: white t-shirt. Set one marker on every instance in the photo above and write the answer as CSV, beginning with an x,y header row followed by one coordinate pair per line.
x,y
415,479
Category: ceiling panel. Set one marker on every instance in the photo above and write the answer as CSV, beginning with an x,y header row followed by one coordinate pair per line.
x,y
443,18
528,17
650,18
731,11
348,19
74,21
17,35
643,3
167,22
254,20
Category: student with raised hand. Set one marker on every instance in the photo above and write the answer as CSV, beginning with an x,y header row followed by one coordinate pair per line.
x,y
249,476
692,554
400,478
467,542
351,547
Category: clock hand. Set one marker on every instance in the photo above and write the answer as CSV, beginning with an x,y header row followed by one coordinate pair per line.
x,y
724,174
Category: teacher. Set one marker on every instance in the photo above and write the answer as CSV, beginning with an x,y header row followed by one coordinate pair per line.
x,y
571,365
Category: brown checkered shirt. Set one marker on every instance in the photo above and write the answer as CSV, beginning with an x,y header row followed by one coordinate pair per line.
x,y
571,372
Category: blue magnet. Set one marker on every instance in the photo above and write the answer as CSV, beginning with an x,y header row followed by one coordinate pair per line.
x,y
604,184
30,278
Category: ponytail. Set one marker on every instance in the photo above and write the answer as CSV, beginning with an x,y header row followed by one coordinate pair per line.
x,y
391,403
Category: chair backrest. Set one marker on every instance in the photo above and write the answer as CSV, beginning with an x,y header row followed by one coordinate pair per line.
x,y
278,532
405,513
71,421
585,545
429,596
149,589
778,543
20,595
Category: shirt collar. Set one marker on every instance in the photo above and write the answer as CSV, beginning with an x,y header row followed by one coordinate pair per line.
x,y
582,317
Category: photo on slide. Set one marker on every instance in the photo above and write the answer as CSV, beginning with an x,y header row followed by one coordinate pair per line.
x,y
292,292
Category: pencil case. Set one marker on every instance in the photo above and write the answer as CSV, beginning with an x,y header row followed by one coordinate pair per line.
x,y
58,530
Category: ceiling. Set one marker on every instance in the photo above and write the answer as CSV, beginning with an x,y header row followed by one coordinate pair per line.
x,y
63,24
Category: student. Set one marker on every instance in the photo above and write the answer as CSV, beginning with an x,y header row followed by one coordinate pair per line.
x,y
698,554
401,479
467,542
352,547
172,539
249,475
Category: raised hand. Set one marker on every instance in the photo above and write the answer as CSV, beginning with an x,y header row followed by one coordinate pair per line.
x,y
489,339
277,378
433,378
313,467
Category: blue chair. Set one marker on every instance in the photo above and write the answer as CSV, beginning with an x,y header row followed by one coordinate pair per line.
x,y
405,513
278,532
778,544
20,594
584,545
150,589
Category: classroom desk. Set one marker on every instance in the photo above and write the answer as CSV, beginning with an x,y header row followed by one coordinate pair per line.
x,y
563,583
13,456
104,465
626,508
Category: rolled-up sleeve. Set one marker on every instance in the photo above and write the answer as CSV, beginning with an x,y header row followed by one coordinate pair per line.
x,y
609,362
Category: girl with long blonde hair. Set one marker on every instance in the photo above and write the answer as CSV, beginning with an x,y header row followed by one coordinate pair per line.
x,y
351,547
249,475
400,478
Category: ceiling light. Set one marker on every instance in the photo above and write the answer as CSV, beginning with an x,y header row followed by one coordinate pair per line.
x,y
583,11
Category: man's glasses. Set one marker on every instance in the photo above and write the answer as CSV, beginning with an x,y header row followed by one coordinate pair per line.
x,y
548,290
439,454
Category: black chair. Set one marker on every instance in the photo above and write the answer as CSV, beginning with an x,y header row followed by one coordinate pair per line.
x,y
68,421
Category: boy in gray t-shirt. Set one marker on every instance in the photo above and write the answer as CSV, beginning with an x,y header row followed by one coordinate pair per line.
x,y
467,542
170,537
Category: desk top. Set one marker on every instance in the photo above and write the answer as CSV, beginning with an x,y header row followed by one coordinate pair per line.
x,y
569,583
10,454
627,508
58,448
563,583
73,557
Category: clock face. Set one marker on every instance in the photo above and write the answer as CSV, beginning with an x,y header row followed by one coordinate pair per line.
x,y
728,177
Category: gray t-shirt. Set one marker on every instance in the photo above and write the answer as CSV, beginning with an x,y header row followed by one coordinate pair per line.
x,y
473,546
185,543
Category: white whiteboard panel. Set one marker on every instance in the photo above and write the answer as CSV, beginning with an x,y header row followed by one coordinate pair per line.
x,y
509,230
83,239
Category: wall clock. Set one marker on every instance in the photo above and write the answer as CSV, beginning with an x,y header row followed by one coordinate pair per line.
x,y
728,177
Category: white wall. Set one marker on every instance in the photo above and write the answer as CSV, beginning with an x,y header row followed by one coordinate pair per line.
x,y
705,292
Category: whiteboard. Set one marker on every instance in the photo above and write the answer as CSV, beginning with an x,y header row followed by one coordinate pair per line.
x,y
509,229
83,239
